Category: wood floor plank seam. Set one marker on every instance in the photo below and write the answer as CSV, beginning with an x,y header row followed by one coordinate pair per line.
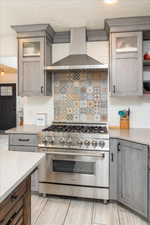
x,y
66,212
92,219
118,214
42,208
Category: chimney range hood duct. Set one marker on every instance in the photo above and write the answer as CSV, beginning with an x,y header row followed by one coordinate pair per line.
x,y
78,58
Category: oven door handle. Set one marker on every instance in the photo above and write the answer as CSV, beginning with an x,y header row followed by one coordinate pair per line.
x,y
97,155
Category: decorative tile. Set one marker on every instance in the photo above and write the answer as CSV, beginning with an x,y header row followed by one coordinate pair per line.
x,y
69,117
90,90
83,117
76,117
80,96
83,104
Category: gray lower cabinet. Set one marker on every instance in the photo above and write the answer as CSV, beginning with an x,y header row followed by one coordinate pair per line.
x,y
22,148
129,175
126,64
113,169
25,143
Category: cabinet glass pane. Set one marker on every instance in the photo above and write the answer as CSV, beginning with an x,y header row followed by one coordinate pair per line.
x,y
31,49
126,44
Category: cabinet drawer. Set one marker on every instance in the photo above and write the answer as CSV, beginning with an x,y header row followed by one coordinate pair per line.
x,y
7,205
14,214
23,148
20,222
23,139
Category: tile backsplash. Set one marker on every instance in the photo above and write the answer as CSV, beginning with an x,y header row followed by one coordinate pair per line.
x,y
80,97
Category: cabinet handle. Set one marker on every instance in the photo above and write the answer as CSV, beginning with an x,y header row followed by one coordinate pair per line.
x,y
112,157
118,147
14,197
20,139
42,89
114,89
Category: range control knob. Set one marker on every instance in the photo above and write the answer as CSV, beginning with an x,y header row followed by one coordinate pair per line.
x,y
80,142
51,141
87,143
102,144
94,143
62,141
69,141
45,140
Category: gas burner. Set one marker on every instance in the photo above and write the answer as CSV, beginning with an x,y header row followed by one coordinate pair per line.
x,y
77,128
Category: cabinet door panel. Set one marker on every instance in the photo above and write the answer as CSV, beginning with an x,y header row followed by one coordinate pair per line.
x,y
133,178
31,78
31,67
113,169
126,64
127,78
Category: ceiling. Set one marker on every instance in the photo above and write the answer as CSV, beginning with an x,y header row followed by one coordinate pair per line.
x,y
63,14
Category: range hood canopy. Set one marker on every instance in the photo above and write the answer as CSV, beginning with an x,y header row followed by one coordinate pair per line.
x,y
78,58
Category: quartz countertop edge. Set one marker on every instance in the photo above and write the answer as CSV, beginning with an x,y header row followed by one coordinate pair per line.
x,y
26,129
10,178
138,135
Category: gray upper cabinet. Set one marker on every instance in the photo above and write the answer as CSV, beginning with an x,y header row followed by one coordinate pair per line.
x,y
126,64
31,67
133,176
34,54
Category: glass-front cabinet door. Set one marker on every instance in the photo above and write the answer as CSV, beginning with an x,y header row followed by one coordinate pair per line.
x,y
125,44
31,48
126,64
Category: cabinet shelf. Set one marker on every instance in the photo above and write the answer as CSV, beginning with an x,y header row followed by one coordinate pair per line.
x,y
146,62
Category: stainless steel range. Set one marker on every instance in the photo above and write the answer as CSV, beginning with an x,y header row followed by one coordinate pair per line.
x,y
77,160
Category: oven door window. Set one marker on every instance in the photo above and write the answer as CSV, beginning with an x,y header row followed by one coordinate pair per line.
x,y
74,167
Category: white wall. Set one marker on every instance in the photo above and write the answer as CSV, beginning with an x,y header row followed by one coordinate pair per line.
x,y
34,105
140,106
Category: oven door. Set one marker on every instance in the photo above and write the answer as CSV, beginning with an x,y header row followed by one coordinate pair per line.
x,y
76,168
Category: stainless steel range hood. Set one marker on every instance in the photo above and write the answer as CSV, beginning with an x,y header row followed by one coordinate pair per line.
x,y
78,58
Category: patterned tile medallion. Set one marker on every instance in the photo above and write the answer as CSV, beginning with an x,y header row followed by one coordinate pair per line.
x,y
80,96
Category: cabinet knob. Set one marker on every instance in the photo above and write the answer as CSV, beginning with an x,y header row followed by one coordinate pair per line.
x,y
114,89
42,89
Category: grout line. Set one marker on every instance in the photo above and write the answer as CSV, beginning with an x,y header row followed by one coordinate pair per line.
x,y
41,211
67,212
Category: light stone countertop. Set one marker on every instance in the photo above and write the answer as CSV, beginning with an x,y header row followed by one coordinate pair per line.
x,y
26,129
139,135
14,168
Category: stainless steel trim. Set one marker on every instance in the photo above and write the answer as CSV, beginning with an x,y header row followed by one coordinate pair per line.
x,y
78,67
74,191
99,155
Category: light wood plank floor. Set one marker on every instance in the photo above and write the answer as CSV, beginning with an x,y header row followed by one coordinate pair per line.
x,y
65,211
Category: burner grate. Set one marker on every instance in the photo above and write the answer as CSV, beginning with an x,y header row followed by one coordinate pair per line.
x,y
77,129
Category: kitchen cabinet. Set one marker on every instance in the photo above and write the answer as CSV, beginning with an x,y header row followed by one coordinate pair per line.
x,y
129,175
113,192
34,54
16,208
126,64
